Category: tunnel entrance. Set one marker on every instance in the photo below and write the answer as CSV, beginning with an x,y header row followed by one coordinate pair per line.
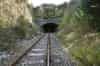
x,y
50,27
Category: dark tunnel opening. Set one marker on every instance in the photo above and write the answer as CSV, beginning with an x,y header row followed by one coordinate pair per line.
x,y
50,27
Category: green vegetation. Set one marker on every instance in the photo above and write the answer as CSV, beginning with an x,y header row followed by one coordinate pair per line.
x,y
80,33
15,24
49,11
24,28
9,35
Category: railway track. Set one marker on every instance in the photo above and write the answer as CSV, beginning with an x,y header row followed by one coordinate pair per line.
x,y
45,52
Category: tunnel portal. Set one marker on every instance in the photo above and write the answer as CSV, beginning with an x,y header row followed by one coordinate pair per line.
x,y
50,27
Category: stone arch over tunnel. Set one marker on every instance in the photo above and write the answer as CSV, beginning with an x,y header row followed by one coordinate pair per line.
x,y
50,27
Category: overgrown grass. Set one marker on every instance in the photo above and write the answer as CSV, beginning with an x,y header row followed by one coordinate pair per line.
x,y
82,40
10,34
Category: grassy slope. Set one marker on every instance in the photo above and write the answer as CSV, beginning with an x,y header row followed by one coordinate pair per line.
x,y
83,42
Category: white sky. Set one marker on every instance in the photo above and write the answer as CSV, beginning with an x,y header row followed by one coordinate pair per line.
x,y
39,2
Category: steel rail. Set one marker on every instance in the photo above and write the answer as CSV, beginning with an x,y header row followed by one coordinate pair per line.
x,y
48,50
14,64
47,58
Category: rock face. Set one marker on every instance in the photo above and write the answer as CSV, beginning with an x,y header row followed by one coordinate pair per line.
x,y
15,26
11,10
15,22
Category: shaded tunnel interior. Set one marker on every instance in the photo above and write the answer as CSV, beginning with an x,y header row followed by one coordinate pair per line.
x,y
50,27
